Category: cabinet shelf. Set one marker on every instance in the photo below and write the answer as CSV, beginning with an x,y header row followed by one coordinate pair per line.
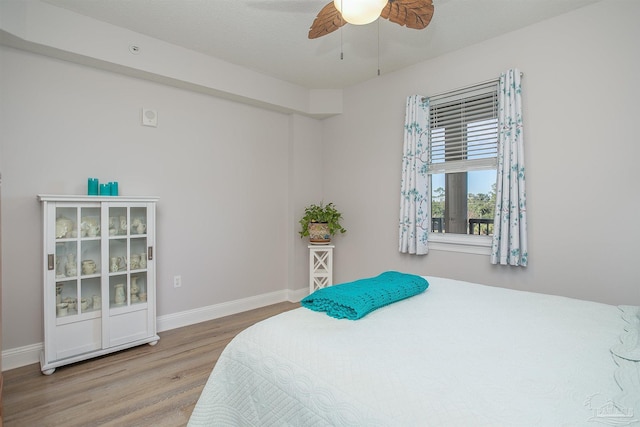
x,y
124,308
118,273
74,316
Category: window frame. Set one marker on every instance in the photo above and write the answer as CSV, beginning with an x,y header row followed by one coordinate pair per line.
x,y
466,243
457,242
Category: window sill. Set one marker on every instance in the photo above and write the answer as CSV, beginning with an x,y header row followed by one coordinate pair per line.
x,y
479,245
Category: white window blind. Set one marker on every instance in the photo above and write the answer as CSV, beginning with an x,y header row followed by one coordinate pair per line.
x,y
464,129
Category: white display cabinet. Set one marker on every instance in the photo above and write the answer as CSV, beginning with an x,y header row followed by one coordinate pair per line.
x,y
320,267
99,276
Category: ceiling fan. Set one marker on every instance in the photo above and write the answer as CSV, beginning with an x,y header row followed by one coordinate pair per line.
x,y
410,13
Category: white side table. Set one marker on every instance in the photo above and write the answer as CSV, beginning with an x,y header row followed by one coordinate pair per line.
x,y
320,266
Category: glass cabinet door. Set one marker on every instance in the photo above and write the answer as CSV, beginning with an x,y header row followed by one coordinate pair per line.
x,y
127,256
138,255
77,261
66,261
90,260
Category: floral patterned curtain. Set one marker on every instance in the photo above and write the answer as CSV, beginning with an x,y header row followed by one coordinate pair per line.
x,y
415,202
509,246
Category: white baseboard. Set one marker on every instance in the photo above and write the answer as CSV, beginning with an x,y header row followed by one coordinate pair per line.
x,y
29,354
191,317
21,356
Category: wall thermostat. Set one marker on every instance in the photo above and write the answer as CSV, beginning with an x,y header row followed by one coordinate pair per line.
x,y
149,117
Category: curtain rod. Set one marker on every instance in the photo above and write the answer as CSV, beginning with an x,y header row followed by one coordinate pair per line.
x,y
465,88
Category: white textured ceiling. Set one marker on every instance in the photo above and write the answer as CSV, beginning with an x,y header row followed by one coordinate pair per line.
x,y
270,36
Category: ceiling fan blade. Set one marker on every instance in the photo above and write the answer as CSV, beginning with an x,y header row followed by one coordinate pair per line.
x,y
327,21
410,13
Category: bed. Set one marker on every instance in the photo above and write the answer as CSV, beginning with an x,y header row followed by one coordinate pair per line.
x,y
457,354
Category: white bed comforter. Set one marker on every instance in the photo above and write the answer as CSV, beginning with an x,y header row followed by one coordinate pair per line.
x,y
459,354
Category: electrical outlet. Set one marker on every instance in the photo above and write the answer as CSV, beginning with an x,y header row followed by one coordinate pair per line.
x,y
177,281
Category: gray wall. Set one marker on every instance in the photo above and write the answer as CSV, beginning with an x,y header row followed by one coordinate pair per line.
x,y
224,171
580,92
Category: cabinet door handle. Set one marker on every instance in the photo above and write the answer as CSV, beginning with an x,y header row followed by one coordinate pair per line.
x,y
150,253
50,262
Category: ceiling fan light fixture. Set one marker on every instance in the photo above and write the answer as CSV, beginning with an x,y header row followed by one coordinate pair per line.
x,y
360,12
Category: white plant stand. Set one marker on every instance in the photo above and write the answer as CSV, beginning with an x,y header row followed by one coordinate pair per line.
x,y
320,266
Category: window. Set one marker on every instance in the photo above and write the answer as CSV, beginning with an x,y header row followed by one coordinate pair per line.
x,y
462,160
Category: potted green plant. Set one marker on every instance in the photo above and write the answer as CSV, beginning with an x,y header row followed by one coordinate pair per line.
x,y
320,222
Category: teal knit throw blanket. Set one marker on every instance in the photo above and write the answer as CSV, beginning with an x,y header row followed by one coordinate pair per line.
x,y
354,300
